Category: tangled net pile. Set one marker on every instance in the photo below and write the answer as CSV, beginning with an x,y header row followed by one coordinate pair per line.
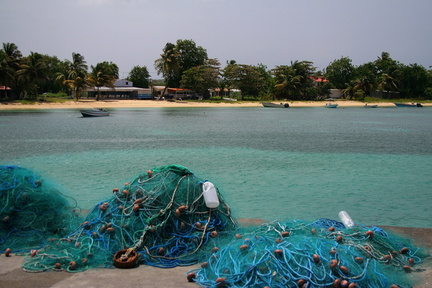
x,y
160,215
301,254
32,210
163,218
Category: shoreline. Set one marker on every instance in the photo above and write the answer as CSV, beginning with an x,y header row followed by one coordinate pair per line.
x,y
116,103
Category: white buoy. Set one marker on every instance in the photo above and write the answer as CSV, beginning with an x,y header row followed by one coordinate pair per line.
x,y
210,195
346,219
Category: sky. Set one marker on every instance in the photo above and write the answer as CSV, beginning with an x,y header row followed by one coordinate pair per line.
x,y
270,32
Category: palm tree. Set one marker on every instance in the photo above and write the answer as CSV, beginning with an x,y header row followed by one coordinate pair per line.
x,y
387,84
75,74
99,79
33,71
168,65
10,58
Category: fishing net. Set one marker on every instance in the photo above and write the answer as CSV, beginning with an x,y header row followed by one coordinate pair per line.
x,y
163,218
32,210
159,218
304,254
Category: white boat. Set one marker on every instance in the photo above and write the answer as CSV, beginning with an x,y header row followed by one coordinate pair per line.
x,y
331,105
95,112
274,105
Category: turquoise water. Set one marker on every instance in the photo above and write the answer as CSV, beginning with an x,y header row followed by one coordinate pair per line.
x,y
284,164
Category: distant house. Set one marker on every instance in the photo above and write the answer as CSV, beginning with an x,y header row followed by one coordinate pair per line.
x,y
123,89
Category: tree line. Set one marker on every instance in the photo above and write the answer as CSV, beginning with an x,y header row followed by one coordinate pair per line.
x,y
185,65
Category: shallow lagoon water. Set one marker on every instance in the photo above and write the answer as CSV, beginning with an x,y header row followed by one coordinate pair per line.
x,y
284,164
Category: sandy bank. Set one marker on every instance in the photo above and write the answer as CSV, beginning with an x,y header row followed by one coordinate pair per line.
x,y
88,104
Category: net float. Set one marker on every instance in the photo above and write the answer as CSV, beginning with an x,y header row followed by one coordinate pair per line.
x,y
138,201
8,252
72,265
160,251
150,173
220,282
110,230
182,207
313,231
333,252
333,263
278,252
190,277
84,260
411,261
244,247
337,283
77,244
339,239
331,229
344,283
344,269
177,213
359,260
386,258
213,234
301,283
285,233
198,224
33,253
404,250
104,206
204,265
115,190
278,240
406,268
215,249
125,192
370,234
57,266
352,285
316,258
238,236
120,207
136,208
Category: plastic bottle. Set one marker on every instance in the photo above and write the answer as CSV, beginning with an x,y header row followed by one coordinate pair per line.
x,y
210,195
346,219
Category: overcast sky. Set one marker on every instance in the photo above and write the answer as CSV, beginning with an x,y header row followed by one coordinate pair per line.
x,y
271,32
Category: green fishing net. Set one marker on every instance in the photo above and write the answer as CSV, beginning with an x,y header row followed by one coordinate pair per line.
x,y
160,217
32,210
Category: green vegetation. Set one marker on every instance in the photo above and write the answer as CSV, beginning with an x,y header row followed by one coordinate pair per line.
x,y
185,65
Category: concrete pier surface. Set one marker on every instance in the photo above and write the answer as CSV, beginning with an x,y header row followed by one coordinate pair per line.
x,y
12,275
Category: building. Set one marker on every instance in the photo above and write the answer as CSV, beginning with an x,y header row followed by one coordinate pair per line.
x,y
123,89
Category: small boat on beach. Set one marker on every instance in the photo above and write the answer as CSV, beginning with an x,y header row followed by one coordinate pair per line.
x,y
274,105
95,112
370,106
408,104
331,105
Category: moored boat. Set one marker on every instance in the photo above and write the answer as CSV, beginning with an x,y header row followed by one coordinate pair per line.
x,y
95,112
331,105
408,104
274,105
370,106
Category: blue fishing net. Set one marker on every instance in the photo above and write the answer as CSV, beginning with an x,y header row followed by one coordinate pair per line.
x,y
303,254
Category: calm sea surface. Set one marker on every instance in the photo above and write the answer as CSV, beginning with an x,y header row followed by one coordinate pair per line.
x,y
272,164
